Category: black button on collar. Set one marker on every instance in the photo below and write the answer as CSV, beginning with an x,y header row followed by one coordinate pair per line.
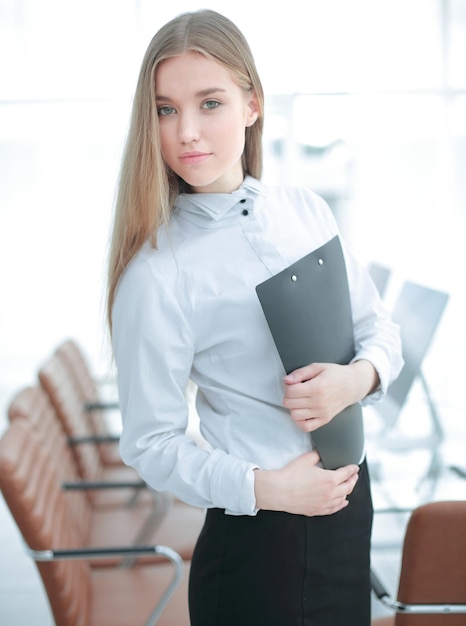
x,y
243,200
245,212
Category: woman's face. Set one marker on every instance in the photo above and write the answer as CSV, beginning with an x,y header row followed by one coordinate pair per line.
x,y
203,114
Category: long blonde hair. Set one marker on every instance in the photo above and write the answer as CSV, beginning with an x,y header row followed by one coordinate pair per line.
x,y
147,188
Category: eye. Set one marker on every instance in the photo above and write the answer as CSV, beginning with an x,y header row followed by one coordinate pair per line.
x,y
210,104
165,110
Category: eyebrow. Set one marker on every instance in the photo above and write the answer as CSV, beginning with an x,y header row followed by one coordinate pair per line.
x,y
199,94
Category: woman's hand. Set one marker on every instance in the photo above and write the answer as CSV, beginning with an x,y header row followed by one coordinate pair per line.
x,y
316,393
303,488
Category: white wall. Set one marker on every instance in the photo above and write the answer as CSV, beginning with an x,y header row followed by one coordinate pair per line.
x,y
67,74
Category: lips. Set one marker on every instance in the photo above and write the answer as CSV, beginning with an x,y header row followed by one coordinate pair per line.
x,y
191,158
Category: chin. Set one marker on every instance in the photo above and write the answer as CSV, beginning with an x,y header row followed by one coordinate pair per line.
x,y
199,180
217,184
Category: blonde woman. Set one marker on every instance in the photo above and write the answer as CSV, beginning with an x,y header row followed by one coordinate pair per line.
x,y
285,541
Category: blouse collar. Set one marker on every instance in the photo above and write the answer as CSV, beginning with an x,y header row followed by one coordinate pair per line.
x,y
217,205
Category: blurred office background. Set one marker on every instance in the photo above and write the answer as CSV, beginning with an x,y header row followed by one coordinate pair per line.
x,y
366,103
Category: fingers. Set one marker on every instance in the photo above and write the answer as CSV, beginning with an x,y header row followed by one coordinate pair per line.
x,y
313,457
336,506
330,488
307,423
309,419
346,472
307,402
340,496
303,373
347,477
346,488
328,507
319,396
305,488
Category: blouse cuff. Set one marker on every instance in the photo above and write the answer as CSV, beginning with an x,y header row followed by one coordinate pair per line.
x,y
379,360
232,486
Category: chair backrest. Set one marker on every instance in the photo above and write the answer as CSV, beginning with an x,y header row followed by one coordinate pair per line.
x,y
65,397
418,311
74,359
380,275
32,404
40,509
433,569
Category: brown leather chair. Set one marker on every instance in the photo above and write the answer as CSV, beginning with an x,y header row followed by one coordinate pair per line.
x,y
79,369
55,379
64,395
432,584
157,520
78,594
98,410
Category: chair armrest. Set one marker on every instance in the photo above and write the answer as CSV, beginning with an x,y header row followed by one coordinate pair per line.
x,y
78,440
394,509
101,405
126,551
459,471
378,587
401,607
86,485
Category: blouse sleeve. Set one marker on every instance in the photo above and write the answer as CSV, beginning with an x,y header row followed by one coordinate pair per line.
x,y
377,337
153,351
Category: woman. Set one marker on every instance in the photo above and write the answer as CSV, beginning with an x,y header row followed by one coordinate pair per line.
x,y
285,541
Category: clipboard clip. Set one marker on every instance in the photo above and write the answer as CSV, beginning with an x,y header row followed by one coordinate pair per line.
x,y
294,278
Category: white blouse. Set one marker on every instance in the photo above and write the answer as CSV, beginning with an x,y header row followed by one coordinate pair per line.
x,y
189,310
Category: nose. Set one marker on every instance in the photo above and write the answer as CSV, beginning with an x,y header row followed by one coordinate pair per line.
x,y
188,127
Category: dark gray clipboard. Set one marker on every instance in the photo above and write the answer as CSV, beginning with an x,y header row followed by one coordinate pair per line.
x,y
308,309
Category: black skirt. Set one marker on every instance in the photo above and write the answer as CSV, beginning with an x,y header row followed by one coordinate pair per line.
x,y
278,569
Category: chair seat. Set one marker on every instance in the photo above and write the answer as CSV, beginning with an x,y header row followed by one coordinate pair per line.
x,y
120,497
179,529
117,595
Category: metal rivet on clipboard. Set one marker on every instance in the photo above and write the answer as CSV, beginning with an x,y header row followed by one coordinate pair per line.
x,y
294,278
320,261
